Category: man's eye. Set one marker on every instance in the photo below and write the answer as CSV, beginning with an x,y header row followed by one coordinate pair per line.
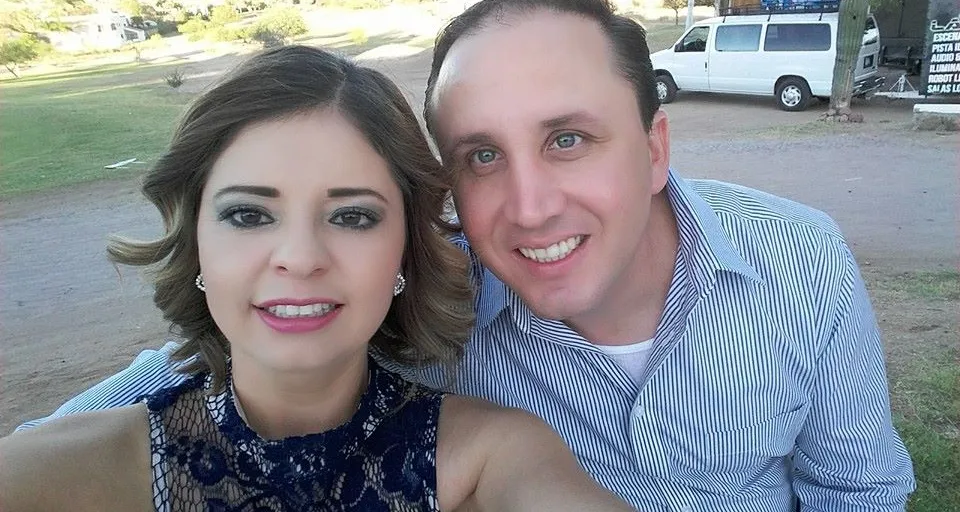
x,y
484,156
567,140
354,218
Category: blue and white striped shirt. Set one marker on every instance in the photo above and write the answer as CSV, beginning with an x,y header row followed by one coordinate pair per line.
x,y
766,383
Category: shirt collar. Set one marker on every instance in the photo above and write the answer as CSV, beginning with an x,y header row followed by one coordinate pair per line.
x,y
703,242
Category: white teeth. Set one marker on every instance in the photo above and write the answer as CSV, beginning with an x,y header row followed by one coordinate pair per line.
x,y
555,252
310,310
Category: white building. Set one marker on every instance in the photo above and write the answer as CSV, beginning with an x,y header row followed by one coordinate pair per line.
x,y
99,31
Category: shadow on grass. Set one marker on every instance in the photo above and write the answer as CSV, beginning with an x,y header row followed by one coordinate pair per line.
x,y
95,70
352,43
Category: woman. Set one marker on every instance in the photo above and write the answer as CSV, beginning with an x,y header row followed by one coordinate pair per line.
x,y
302,212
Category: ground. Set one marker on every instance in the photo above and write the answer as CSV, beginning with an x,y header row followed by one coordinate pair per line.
x,y
69,318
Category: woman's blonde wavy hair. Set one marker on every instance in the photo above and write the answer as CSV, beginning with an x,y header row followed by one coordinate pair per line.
x,y
426,324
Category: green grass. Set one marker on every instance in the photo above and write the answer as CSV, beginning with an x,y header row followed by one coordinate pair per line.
x,y
926,403
61,129
924,376
943,285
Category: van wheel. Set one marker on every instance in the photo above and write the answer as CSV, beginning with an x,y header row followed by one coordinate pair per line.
x,y
666,89
793,94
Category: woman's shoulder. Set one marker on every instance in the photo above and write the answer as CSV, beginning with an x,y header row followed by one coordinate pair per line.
x,y
461,414
78,462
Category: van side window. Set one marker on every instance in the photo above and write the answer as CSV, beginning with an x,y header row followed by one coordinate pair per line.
x,y
738,38
695,41
797,37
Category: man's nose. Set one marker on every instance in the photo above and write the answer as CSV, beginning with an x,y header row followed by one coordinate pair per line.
x,y
534,195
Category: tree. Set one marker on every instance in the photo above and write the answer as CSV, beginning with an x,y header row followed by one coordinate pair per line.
x,y
676,5
131,8
14,52
853,19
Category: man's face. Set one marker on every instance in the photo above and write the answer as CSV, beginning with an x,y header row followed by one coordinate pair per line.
x,y
556,171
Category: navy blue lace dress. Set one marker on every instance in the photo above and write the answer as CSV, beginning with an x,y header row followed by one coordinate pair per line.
x,y
205,457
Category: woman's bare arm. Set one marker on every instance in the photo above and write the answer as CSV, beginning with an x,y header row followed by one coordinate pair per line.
x,y
88,461
492,458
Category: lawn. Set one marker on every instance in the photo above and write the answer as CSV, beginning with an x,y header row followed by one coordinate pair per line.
x,y
62,129
923,364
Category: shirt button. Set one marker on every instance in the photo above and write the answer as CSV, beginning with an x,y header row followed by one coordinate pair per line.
x,y
686,508
639,411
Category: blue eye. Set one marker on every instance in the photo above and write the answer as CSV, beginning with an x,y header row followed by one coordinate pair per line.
x,y
567,140
484,156
355,218
245,217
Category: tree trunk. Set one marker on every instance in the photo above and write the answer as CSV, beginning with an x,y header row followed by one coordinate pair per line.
x,y
853,20
676,17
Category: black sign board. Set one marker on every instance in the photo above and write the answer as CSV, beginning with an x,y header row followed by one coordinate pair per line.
x,y
941,70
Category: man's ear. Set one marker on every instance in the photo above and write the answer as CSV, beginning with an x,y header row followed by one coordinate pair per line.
x,y
659,149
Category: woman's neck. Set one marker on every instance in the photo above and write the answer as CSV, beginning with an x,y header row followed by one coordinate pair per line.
x,y
279,404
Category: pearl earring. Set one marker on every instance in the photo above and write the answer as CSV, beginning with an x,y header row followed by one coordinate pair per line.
x,y
200,284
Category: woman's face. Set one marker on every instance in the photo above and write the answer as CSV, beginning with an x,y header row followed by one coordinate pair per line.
x,y
301,234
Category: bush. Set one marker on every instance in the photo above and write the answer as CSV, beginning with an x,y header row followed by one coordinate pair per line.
x,y
224,34
285,22
358,36
174,78
194,28
267,38
166,27
223,14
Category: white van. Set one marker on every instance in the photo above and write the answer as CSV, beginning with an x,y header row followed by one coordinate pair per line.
x,y
789,54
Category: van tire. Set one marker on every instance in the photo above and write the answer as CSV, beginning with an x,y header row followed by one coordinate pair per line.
x,y
793,94
666,89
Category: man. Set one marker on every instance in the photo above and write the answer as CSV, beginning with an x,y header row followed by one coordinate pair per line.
x,y
700,346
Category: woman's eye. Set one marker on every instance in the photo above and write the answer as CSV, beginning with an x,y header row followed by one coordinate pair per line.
x,y
246,217
355,219
567,140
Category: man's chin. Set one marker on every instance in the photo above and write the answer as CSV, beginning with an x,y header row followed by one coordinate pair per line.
x,y
551,306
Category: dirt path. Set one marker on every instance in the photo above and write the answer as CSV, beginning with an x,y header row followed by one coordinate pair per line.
x,y
67,319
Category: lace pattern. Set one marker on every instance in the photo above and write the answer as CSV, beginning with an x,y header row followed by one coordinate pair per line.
x,y
205,457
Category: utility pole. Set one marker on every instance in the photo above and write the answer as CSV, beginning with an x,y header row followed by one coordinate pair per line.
x,y
689,13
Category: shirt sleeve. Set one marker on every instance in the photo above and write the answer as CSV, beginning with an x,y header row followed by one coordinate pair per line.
x,y
150,371
848,456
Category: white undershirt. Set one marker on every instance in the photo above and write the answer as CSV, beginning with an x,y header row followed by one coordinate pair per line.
x,y
632,358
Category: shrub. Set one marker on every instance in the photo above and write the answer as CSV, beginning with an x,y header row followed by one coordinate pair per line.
x,y
286,22
223,14
267,38
194,28
224,34
358,36
174,78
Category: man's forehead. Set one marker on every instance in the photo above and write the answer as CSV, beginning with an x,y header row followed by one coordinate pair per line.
x,y
540,53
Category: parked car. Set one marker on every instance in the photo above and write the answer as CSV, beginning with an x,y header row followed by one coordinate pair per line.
x,y
786,53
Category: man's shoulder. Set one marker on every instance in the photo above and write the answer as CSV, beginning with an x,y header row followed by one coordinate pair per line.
x,y
151,371
759,211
